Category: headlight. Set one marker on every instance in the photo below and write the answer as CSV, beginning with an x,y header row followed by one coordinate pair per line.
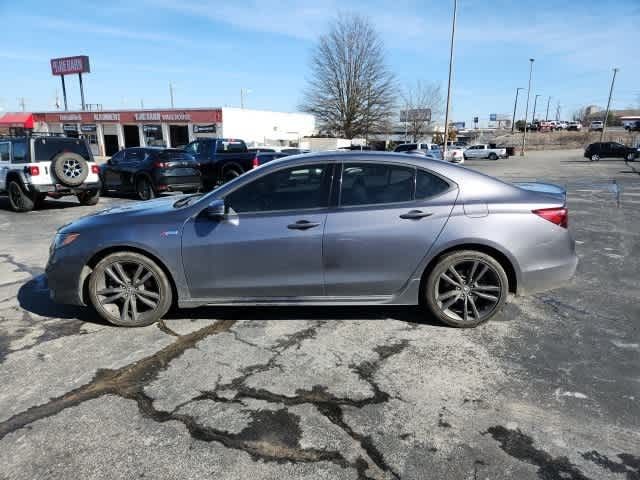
x,y
64,239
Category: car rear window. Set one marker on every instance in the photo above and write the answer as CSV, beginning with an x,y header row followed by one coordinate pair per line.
x,y
175,156
47,148
231,146
429,185
406,147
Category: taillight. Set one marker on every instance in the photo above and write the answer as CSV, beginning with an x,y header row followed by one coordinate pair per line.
x,y
256,162
95,169
34,171
160,164
559,216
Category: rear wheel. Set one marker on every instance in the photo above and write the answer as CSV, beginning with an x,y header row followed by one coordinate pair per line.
x,y
19,199
89,197
493,156
230,174
631,156
466,288
130,290
144,189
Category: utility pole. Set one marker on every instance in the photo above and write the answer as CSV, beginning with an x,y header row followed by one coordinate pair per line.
x,y
535,101
241,98
171,93
141,104
22,103
606,115
446,115
526,112
558,111
546,117
515,105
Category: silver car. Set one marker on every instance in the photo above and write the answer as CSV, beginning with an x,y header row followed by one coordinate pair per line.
x,y
348,228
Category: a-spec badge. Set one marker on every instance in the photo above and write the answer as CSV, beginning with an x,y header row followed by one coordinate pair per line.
x,y
168,233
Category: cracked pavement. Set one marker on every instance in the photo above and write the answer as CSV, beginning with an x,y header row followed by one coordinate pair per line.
x,y
549,390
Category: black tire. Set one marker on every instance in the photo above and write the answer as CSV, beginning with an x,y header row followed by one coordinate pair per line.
x,y
230,174
70,169
471,297
89,197
118,297
631,157
493,156
595,157
144,188
19,200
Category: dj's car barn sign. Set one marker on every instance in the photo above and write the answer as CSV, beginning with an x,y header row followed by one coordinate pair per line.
x,y
70,66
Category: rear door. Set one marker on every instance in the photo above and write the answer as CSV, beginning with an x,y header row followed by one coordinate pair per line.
x,y
387,218
5,162
110,172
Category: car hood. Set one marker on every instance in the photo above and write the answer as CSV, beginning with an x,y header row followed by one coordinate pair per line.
x,y
159,210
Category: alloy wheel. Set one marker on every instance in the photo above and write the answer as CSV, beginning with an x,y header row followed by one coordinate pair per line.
x,y
129,290
468,291
16,196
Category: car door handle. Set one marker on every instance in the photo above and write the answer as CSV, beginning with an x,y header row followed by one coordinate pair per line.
x,y
302,225
415,215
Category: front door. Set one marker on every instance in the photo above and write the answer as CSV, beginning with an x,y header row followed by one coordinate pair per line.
x,y
388,217
269,245
111,172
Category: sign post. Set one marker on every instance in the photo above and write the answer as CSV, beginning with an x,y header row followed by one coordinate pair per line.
x,y
67,66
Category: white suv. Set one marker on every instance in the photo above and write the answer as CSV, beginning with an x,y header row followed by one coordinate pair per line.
x,y
34,167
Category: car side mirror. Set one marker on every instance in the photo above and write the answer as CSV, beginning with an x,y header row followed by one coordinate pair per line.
x,y
216,210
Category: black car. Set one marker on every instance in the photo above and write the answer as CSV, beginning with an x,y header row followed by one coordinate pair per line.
x,y
150,171
599,150
633,127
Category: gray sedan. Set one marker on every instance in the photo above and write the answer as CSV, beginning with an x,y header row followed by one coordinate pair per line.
x,y
349,228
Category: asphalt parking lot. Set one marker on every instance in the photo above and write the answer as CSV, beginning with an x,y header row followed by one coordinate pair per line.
x,y
549,390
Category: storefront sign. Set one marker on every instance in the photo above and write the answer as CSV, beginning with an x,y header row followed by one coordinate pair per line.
x,y
152,128
69,65
69,117
211,128
106,117
147,116
88,128
70,127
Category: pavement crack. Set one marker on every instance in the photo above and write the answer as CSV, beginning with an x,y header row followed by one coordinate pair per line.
x,y
21,267
126,382
162,326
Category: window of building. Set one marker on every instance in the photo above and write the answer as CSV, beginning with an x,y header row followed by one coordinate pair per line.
x,y
153,135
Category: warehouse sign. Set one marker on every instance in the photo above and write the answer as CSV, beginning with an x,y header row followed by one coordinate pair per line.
x,y
69,65
415,115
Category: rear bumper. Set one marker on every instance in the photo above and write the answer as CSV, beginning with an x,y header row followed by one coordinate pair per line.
x,y
549,277
58,189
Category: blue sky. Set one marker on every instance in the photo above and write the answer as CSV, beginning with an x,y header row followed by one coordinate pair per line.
x,y
210,49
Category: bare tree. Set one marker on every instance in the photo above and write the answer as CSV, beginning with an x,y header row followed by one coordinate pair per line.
x,y
351,89
416,99
579,114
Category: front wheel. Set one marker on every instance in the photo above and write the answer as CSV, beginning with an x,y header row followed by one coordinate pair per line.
x,y
631,156
89,197
129,289
144,189
19,200
493,156
466,288
595,157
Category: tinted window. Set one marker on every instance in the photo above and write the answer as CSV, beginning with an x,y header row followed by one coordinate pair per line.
x,y
429,185
47,148
294,188
174,156
370,183
406,147
134,155
4,152
230,146
193,148
20,152
117,157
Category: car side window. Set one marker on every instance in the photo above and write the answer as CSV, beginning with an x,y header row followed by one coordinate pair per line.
x,y
117,157
134,155
295,188
429,185
375,183
19,152
192,148
5,152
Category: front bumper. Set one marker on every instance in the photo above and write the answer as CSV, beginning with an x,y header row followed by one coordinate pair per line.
x,y
65,277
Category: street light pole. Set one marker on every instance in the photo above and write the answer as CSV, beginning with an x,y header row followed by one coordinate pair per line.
x,y
535,101
526,112
515,105
606,115
546,117
446,115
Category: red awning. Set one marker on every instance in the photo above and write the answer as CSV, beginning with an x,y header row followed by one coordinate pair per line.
x,y
24,120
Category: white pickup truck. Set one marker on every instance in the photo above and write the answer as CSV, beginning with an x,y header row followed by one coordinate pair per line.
x,y
485,151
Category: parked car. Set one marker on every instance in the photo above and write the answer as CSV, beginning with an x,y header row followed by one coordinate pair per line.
x,y
433,148
309,230
36,166
599,150
149,171
544,126
485,151
596,126
455,154
633,126
220,159
574,126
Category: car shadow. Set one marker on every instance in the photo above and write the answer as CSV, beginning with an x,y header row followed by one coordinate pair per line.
x,y
46,205
33,296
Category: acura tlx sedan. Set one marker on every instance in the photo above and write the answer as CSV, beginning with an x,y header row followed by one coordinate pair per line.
x,y
336,228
